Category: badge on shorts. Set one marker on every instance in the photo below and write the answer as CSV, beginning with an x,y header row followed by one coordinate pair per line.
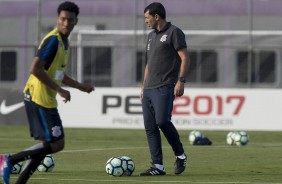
x,y
56,131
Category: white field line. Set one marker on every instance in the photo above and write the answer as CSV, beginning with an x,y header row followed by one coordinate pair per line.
x,y
105,149
165,147
145,147
217,145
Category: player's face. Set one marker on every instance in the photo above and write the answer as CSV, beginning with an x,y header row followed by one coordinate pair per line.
x,y
150,20
66,22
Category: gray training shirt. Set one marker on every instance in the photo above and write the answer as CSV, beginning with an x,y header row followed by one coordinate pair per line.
x,y
162,57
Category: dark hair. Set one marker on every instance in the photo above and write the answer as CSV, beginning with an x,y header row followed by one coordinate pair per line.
x,y
156,8
68,6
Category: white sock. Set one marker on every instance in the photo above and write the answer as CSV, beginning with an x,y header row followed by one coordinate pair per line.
x,y
159,166
182,156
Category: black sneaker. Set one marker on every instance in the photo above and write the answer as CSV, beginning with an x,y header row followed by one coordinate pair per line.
x,y
153,171
180,165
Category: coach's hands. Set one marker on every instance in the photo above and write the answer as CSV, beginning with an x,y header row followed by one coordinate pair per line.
x,y
179,89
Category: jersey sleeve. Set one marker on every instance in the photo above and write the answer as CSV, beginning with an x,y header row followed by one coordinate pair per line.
x,y
178,39
47,51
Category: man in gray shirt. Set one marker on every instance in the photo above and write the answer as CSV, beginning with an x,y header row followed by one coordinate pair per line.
x,y
164,77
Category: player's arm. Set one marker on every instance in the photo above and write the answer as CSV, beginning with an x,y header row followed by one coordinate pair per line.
x,y
75,84
184,66
37,69
142,87
43,60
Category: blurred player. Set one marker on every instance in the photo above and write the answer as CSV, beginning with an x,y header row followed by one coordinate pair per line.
x,y
167,64
47,73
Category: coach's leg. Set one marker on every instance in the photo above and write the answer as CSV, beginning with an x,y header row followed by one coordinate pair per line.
x,y
163,103
151,128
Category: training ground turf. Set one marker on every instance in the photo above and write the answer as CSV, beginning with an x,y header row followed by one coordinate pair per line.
x,y
87,150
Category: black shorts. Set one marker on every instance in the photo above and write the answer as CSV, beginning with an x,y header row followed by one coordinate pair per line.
x,y
44,123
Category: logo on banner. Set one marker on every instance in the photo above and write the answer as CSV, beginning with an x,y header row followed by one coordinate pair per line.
x,y
201,105
5,109
199,110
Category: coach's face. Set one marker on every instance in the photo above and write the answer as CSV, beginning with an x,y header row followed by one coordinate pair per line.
x,y
151,20
65,22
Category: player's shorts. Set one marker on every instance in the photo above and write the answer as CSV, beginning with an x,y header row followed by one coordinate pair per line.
x,y
44,123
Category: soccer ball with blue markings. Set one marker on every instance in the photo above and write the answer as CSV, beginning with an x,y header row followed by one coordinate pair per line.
x,y
47,164
195,134
114,166
238,138
241,138
128,165
17,168
230,138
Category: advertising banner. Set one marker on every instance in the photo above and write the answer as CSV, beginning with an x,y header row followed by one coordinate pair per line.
x,y
12,107
201,109
206,109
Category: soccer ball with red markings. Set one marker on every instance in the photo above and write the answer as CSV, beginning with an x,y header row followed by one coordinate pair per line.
x,y
47,164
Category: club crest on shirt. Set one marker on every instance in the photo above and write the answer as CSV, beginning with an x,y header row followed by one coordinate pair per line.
x,y
163,38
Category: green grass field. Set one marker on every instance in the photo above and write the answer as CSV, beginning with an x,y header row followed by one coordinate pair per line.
x,y
87,150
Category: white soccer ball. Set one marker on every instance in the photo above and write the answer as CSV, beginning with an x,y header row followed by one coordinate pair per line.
x,y
17,168
241,138
47,164
230,138
128,165
195,134
114,166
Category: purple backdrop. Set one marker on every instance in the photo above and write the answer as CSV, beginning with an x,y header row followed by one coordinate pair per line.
x,y
127,7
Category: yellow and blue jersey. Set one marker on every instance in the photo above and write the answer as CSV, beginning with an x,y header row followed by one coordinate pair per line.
x,y
55,52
